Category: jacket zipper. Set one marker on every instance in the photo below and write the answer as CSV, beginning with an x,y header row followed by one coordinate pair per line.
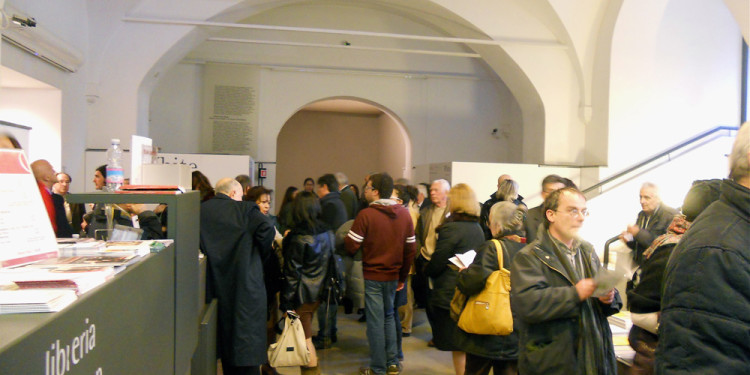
x,y
547,264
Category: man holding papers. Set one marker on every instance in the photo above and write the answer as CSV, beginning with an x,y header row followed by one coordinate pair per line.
x,y
563,327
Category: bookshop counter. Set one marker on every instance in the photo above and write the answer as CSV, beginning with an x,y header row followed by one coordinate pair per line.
x,y
146,320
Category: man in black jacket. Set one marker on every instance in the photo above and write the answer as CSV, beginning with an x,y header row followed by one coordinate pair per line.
x,y
652,222
705,303
236,237
333,214
535,216
563,323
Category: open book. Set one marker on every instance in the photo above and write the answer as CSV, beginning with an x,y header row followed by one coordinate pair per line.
x,y
464,260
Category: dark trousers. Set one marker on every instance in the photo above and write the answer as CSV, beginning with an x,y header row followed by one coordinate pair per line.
x,y
241,370
476,365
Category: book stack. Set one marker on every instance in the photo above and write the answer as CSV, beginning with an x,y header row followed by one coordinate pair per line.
x,y
35,300
621,320
620,324
80,279
90,247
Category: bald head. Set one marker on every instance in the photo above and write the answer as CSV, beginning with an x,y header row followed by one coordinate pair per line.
x,y
44,173
229,187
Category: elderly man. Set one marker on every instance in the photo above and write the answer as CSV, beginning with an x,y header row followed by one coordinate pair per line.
x,y
652,222
73,212
535,217
706,299
429,219
46,177
236,237
497,196
563,324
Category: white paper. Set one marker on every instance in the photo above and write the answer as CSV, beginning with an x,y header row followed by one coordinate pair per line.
x,y
464,260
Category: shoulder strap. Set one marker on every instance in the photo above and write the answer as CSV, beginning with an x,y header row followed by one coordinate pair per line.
x,y
499,248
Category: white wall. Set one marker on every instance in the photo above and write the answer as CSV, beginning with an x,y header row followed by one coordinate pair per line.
x,y
177,102
675,73
39,109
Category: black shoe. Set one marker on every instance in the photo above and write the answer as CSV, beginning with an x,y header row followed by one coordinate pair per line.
x,y
334,338
362,318
321,343
348,306
405,334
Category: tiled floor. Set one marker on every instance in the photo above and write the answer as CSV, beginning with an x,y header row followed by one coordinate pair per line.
x,y
351,351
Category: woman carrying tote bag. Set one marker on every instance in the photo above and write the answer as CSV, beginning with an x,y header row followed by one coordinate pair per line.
x,y
307,250
485,352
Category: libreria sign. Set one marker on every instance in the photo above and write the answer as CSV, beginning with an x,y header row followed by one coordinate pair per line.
x,y
61,356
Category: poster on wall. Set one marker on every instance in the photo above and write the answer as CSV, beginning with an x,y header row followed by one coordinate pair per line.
x,y
230,109
26,233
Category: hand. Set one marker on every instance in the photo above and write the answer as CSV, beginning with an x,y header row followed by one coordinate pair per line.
x,y
136,208
585,288
608,298
633,229
400,286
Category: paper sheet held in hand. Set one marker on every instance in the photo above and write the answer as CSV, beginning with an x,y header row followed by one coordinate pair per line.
x,y
464,260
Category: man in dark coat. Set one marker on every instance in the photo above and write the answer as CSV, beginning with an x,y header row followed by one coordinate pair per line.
x,y
351,201
535,216
652,222
495,197
236,237
563,326
705,319
333,214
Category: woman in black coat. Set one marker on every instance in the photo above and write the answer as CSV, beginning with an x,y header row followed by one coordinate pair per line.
x,y
308,250
458,234
485,352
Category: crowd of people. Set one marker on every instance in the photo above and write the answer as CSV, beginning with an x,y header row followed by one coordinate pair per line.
x,y
386,250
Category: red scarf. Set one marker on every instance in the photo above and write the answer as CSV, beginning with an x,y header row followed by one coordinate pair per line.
x,y
47,198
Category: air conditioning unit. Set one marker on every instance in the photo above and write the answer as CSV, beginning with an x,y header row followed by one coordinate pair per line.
x,y
22,31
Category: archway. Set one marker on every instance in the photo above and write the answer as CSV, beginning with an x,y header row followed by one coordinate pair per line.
x,y
343,134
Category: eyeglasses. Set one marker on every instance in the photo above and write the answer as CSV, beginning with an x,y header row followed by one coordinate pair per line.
x,y
368,187
574,213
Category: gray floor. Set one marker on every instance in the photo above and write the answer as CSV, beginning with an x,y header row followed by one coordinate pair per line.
x,y
351,351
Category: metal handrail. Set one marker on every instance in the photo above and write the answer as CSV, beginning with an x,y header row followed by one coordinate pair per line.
x,y
605,258
657,156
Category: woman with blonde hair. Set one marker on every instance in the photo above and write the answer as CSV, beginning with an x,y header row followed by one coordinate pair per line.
x,y
458,234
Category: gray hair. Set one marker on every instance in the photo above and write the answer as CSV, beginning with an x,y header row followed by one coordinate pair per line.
x,y
444,184
508,216
739,163
507,191
227,185
342,179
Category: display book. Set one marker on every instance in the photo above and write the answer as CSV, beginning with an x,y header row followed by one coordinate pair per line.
x,y
51,284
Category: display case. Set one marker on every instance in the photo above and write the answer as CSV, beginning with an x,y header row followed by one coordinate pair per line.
x,y
145,320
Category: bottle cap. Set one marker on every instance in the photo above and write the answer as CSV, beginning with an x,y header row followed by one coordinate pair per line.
x,y
115,141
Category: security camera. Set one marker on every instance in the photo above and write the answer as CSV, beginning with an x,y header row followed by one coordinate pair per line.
x,y
23,21
494,131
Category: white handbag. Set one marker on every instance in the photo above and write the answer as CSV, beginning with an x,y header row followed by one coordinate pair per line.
x,y
290,349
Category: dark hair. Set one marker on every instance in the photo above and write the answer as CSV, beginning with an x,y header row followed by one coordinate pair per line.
x,y
699,197
103,170
69,178
306,213
553,201
383,183
554,179
244,181
355,189
202,184
401,193
569,183
329,180
308,179
12,139
256,192
288,197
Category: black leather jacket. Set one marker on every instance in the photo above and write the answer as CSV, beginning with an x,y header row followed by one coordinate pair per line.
x,y
306,259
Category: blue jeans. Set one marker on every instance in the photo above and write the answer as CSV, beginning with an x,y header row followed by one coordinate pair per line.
x,y
327,327
381,324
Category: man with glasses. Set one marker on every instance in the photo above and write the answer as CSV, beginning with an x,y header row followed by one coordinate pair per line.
x,y
385,233
562,321
73,212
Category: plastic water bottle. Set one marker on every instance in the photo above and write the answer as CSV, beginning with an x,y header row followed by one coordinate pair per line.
x,y
115,175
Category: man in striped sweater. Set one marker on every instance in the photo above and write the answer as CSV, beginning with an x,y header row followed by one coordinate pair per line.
x,y
385,234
